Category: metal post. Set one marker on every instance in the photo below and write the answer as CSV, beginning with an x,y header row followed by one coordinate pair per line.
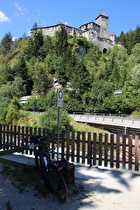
x,y
58,131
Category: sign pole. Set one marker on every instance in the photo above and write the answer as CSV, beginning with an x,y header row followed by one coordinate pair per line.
x,y
58,131
60,95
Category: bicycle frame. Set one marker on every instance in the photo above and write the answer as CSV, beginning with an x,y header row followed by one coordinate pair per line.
x,y
49,169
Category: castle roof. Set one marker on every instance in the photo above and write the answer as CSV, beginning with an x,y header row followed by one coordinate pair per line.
x,y
89,23
101,14
58,24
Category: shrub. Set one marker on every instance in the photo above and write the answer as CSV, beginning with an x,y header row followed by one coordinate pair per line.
x,y
49,119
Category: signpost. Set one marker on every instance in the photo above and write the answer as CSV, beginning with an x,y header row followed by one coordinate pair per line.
x,y
60,96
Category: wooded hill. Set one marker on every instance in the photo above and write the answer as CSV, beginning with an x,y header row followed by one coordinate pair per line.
x,y
29,64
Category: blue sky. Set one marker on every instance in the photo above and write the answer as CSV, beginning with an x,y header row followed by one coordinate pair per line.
x,y
18,16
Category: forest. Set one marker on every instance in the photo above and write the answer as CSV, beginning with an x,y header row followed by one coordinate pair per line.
x,y
30,65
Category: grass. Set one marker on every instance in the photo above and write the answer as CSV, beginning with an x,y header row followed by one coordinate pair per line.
x,y
84,127
135,113
33,120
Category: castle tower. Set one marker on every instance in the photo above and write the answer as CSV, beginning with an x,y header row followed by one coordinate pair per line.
x,y
102,20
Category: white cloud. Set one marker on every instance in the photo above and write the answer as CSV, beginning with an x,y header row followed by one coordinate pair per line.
x,y
38,12
16,14
3,17
18,7
21,10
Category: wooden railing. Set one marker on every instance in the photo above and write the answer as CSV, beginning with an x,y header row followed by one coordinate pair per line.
x,y
109,150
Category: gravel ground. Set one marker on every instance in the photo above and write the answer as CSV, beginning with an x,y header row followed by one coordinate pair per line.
x,y
106,191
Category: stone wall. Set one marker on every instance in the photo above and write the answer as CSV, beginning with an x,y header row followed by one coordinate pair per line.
x,y
95,32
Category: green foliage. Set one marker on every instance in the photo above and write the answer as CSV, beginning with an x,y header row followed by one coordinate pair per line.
x,y
49,119
40,79
3,73
12,89
13,113
76,42
61,42
130,39
29,66
3,110
34,44
42,103
29,105
6,43
74,105
80,79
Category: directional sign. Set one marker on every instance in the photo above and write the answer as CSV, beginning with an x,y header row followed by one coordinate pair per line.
x,y
60,96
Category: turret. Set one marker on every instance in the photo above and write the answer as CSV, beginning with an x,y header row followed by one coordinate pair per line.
x,y
102,20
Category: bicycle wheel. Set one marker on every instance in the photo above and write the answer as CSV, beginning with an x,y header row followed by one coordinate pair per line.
x,y
62,189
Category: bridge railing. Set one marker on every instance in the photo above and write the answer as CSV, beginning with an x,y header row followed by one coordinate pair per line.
x,y
119,121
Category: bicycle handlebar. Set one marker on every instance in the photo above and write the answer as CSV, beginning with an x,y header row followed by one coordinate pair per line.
x,y
36,139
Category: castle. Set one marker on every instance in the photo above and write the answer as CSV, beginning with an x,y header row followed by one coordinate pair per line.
x,y
96,32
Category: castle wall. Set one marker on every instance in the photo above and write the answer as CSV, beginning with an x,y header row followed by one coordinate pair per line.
x,y
95,32
105,43
50,31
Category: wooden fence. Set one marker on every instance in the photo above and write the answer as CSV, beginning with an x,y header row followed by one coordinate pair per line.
x,y
109,150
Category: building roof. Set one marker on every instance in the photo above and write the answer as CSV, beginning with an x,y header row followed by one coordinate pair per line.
x,y
89,23
101,14
58,24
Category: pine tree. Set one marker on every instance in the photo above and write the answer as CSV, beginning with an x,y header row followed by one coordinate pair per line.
x,y
61,44
137,35
6,43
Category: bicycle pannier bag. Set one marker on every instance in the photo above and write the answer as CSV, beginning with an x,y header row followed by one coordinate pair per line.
x,y
52,177
68,171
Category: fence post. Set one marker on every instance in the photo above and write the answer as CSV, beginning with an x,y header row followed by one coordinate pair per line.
x,y
78,146
83,147
137,153
19,136
26,137
6,134
94,148
100,148
62,144
118,151
11,136
53,142
68,145
73,146
112,150
15,134
106,149
0,136
124,152
22,133
89,149
130,152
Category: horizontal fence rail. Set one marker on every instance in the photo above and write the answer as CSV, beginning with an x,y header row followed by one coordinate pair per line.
x,y
109,150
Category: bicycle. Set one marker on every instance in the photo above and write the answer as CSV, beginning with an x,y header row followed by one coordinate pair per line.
x,y
49,169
